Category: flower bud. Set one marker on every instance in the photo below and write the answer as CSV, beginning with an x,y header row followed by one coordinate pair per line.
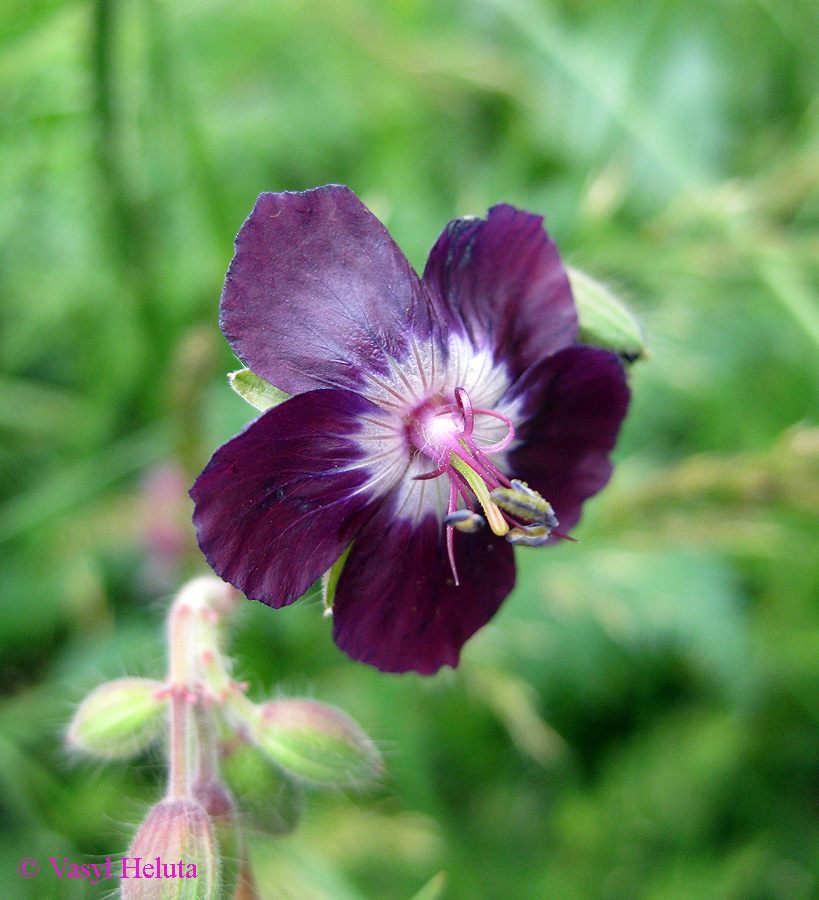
x,y
271,799
118,719
603,320
173,856
317,742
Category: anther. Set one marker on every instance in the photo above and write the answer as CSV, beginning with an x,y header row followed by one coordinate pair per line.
x,y
521,501
465,520
530,535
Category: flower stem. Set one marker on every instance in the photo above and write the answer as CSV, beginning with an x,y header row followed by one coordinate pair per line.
x,y
207,766
179,749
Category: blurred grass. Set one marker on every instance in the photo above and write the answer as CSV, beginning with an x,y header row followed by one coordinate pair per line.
x,y
641,720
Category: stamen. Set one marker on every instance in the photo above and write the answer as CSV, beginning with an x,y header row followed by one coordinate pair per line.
x,y
463,489
465,406
434,474
530,536
443,432
465,451
521,501
494,516
505,441
465,520
479,454
450,534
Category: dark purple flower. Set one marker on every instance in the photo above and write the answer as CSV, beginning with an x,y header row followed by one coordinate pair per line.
x,y
432,419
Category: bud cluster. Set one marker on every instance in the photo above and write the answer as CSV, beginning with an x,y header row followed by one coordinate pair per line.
x,y
220,743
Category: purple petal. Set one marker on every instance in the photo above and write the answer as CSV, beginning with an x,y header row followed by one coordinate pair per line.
x,y
574,402
396,604
504,285
318,294
277,504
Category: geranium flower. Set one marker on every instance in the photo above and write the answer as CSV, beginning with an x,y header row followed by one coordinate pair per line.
x,y
434,421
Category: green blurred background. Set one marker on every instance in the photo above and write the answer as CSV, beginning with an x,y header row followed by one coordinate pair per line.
x,y
641,720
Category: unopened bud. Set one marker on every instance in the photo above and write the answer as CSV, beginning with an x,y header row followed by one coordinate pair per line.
x,y
272,800
317,742
118,719
173,856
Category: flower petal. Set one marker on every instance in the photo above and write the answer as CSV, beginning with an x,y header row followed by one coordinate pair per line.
x,y
504,285
318,294
396,604
277,504
574,403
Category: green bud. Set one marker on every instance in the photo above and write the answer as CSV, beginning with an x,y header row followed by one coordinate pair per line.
x,y
173,856
317,743
271,800
255,390
603,320
118,719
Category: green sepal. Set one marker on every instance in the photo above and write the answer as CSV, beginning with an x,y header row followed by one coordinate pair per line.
x,y
329,580
255,390
603,320
119,719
